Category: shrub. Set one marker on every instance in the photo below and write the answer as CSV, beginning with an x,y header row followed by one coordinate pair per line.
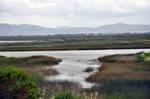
x,y
65,95
144,57
15,83
140,57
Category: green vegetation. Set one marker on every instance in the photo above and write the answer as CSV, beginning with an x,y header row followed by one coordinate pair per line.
x,y
144,57
29,61
65,95
15,83
77,42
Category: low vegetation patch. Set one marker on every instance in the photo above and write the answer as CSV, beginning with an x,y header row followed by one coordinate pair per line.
x,y
15,83
128,58
29,61
65,95
53,88
48,72
144,57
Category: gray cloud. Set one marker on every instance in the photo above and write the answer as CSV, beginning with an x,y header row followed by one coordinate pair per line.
x,y
74,12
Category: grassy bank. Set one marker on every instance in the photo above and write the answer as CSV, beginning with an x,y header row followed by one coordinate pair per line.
x,y
123,77
40,65
29,61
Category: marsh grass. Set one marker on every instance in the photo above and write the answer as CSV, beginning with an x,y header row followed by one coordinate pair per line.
x,y
29,61
52,88
127,79
66,95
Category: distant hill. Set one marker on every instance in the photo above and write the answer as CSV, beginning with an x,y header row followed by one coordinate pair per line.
x,y
26,29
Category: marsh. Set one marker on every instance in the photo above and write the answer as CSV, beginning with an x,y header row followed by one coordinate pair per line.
x,y
74,62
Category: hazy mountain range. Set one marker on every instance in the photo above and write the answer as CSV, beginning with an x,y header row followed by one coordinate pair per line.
x,y
26,29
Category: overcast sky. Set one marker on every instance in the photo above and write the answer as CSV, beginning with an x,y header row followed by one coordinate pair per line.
x,y
57,13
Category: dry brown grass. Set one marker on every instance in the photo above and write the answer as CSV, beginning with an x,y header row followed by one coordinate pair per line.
x,y
119,71
48,72
128,58
119,79
42,71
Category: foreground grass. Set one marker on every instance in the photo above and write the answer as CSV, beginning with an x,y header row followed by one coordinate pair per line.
x,y
16,83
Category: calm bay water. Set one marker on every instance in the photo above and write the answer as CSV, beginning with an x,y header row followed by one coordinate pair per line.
x,y
74,62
